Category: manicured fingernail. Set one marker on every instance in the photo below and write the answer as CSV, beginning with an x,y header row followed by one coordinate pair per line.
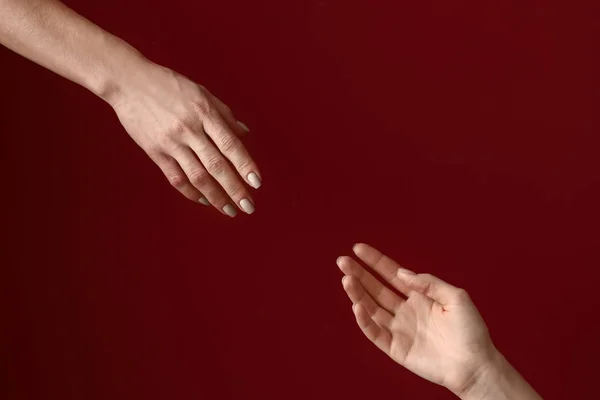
x,y
243,125
247,206
254,180
230,210
204,201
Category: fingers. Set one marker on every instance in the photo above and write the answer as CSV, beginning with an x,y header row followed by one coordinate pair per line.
x,y
435,288
407,281
218,167
375,333
179,180
381,294
238,127
203,182
358,295
208,170
231,147
382,264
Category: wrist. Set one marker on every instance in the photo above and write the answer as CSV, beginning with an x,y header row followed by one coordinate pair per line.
x,y
119,67
486,378
498,380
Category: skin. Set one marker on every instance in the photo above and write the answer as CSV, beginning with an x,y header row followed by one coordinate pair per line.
x,y
431,328
189,133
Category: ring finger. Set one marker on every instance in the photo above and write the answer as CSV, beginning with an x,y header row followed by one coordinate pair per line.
x,y
203,181
175,175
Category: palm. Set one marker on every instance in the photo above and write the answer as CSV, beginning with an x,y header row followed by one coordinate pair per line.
x,y
415,335
443,344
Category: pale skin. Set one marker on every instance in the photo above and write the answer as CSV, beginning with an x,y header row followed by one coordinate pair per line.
x,y
188,132
430,327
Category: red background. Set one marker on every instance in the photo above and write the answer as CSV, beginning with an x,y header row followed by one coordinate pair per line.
x,y
461,138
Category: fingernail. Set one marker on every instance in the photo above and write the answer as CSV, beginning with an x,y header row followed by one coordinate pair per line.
x,y
247,206
204,201
254,180
230,210
243,125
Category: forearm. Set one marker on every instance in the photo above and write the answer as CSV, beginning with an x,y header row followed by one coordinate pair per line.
x,y
55,37
500,381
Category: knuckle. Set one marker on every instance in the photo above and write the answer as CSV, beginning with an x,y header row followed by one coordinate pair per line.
x,y
175,131
245,165
229,143
177,181
216,165
198,177
235,190
203,106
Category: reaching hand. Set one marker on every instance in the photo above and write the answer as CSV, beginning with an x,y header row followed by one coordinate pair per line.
x,y
191,135
435,332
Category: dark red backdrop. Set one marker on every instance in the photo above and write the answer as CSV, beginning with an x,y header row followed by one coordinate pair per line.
x,y
459,137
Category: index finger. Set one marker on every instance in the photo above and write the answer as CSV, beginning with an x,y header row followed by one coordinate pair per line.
x,y
383,265
407,281
232,148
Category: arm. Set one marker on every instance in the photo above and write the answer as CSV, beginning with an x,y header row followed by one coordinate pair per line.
x,y
499,381
188,132
55,37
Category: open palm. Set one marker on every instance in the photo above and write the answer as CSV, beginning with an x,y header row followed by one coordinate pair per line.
x,y
434,331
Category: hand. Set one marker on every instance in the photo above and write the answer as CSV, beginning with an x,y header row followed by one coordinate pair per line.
x,y
436,332
190,134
